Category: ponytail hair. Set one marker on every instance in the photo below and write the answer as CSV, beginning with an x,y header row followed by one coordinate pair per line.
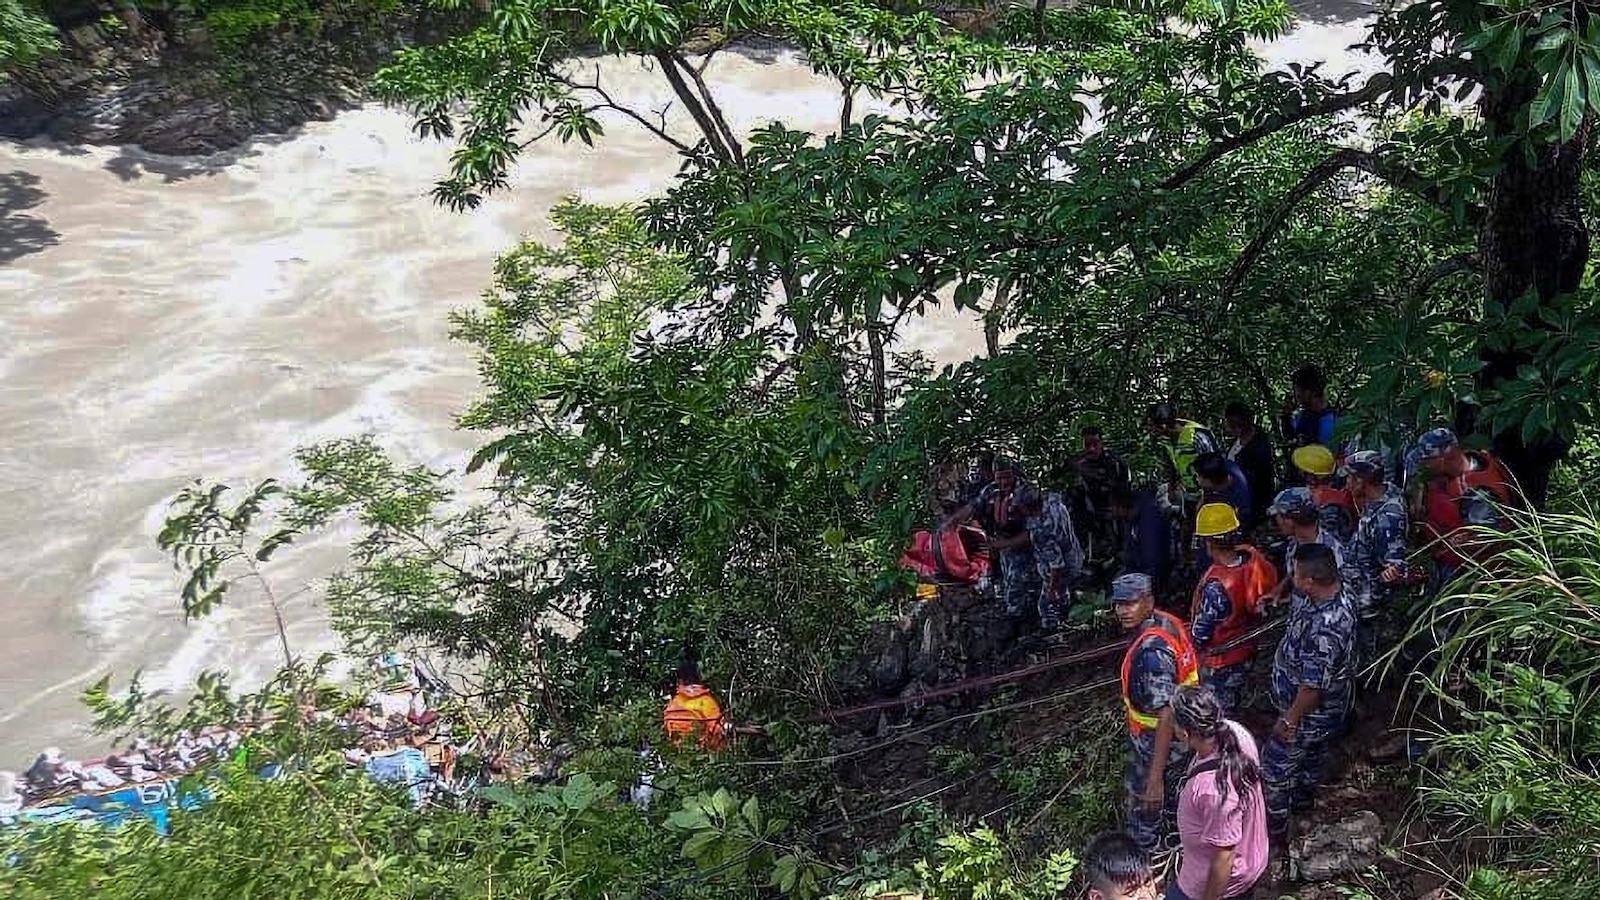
x,y
1196,710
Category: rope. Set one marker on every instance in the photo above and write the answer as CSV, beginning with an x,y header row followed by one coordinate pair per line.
x,y
971,684
835,757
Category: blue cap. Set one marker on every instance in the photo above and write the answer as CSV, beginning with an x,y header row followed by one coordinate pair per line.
x,y
1437,443
1130,587
1364,463
1291,501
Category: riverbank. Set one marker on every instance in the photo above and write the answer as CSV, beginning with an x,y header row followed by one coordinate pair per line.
x,y
173,86
187,316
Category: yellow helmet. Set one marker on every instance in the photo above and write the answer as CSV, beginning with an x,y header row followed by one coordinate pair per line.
x,y
1314,459
1215,519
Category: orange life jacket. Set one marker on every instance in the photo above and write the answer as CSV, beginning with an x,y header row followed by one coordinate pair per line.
x,y
694,709
1491,477
1442,513
1245,585
1170,630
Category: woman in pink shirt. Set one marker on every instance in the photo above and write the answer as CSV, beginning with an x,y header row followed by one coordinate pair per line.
x,y
1222,816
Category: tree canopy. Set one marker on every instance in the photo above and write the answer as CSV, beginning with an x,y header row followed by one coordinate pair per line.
x,y
701,428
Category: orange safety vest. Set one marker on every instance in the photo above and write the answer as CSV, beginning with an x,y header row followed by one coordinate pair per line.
x,y
1441,501
1169,629
1245,585
694,709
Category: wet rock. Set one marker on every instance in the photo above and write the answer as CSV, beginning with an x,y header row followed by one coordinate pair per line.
x,y
1350,845
174,95
889,670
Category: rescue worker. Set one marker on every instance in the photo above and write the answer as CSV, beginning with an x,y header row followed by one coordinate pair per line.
x,y
694,712
1147,543
1375,564
1158,660
1222,481
1227,603
1298,519
1460,488
1252,451
979,477
1117,869
1099,470
1181,441
1316,466
1307,417
1008,533
1056,553
1312,683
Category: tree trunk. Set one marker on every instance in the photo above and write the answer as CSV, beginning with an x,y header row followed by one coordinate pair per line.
x,y
880,372
1533,238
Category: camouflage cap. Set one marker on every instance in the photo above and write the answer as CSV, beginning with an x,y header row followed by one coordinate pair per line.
x,y
1292,501
1366,464
1437,443
1130,587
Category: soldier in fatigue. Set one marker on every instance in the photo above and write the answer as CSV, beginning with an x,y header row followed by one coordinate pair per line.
x,y
1056,553
1312,686
1375,566
1335,506
1158,660
1298,519
1227,603
995,509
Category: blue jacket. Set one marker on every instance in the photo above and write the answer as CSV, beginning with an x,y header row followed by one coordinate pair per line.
x,y
1149,545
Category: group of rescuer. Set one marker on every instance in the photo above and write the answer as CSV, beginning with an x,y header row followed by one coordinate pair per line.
x,y
1350,540
1344,540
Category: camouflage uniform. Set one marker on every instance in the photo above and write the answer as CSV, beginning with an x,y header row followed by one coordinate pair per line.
x,y
1153,680
1326,539
1055,547
1335,521
1229,682
1019,576
1315,652
1379,542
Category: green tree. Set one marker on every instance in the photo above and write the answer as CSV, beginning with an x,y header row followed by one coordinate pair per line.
x,y
26,35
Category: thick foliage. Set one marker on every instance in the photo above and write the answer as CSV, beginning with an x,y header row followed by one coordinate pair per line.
x,y
1518,762
25,34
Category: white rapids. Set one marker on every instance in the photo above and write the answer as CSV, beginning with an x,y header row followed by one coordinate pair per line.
x,y
163,319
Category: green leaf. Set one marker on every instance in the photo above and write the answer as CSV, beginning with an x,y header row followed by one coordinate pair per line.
x,y
1573,103
1510,49
1552,40
967,293
1546,103
1589,58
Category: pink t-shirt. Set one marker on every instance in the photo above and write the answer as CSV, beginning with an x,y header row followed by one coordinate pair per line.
x,y
1207,821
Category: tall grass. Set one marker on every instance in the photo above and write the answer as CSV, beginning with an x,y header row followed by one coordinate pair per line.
x,y
1517,751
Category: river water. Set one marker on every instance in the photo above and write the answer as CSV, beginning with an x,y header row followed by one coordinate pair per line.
x,y
163,319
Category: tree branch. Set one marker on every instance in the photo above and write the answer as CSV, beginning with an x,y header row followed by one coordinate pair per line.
x,y
711,105
1439,271
1375,86
607,102
1337,161
697,109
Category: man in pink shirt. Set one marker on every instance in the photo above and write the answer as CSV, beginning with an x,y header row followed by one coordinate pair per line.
x,y
1222,814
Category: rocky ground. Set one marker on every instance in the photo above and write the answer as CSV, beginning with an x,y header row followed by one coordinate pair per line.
x,y
173,92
